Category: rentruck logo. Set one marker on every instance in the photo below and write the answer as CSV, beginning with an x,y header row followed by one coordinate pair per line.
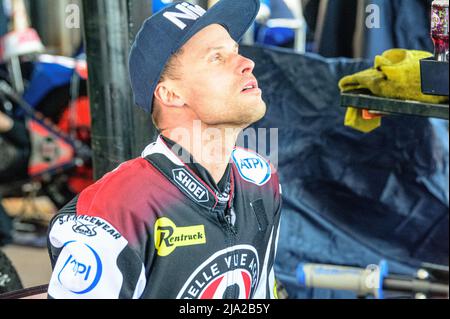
x,y
168,236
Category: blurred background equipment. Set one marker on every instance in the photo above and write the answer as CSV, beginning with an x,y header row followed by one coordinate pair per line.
x,y
21,41
439,29
9,278
60,25
430,281
46,98
58,162
434,72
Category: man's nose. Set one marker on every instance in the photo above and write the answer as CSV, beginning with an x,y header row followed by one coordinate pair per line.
x,y
245,65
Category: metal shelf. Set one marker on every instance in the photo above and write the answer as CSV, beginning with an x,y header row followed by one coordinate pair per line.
x,y
363,100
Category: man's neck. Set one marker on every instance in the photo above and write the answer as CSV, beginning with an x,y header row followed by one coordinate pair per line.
x,y
211,147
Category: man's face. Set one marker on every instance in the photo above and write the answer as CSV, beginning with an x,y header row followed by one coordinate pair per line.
x,y
213,78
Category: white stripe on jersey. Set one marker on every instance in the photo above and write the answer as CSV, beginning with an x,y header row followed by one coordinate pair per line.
x,y
261,290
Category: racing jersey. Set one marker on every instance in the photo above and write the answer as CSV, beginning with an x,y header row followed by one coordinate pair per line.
x,y
152,228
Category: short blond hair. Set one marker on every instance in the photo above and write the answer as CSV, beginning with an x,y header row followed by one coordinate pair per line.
x,y
171,72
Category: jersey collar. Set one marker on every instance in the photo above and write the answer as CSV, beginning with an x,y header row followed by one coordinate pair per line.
x,y
162,157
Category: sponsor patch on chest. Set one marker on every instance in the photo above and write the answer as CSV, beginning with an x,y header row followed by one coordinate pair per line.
x,y
229,273
190,185
252,167
168,236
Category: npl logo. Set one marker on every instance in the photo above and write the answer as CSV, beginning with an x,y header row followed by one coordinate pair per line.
x,y
82,268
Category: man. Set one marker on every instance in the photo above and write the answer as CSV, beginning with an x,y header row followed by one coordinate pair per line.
x,y
194,217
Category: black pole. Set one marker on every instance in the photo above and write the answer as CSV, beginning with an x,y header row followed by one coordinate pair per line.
x,y
144,131
414,286
116,122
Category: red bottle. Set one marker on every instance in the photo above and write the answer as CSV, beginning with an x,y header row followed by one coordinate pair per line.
x,y
439,29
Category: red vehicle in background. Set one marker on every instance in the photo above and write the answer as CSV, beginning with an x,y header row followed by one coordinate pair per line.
x,y
55,109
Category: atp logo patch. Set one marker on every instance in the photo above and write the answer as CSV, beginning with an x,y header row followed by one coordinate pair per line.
x,y
168,236
252,167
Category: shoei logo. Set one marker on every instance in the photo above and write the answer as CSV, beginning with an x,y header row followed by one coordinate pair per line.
x,y
232,273
190,185
82,268
252,167
188,12
168,236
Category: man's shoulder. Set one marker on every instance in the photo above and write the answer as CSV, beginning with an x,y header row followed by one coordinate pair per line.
x,y
127,185
128,169
253,167
122,197
133,173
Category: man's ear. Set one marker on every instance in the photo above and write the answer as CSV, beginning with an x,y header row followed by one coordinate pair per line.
x,y
166,95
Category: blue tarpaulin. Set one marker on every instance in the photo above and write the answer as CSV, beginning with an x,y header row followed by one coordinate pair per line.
x,y
350,198
45,78
405,24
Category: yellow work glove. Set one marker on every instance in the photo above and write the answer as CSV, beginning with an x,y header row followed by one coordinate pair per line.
x,y
396,74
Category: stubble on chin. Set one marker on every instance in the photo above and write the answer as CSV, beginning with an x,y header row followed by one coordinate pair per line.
x,y
241,116
259,111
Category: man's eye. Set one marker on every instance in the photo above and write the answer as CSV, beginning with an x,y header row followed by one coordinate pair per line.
x,y
216,57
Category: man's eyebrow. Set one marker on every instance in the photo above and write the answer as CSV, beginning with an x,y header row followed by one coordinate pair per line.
x,y
208,50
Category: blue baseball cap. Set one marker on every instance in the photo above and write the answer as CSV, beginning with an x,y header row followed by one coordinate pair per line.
x,y
165,32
